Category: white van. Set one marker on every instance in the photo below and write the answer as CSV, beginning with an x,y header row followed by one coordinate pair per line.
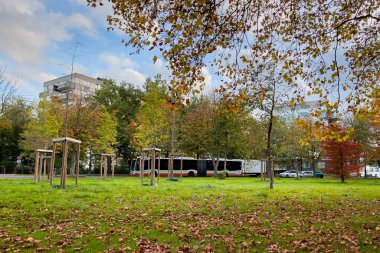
x,y
371,171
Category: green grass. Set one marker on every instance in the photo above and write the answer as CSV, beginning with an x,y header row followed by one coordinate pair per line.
x,y
195,215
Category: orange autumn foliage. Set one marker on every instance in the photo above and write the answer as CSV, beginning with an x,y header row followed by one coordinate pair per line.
x,y
342,154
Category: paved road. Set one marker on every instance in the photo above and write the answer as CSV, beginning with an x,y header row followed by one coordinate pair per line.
x,y
14,176
17,176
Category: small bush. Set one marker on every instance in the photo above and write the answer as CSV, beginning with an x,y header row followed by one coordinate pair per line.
x,y
222,175
24,170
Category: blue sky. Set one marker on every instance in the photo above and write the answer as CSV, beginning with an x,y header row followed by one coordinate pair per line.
x,y
38,38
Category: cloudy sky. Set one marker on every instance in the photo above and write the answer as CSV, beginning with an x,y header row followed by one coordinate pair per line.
x,y
38,38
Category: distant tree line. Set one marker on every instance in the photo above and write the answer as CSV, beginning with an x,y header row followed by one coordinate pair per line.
x,y
123,118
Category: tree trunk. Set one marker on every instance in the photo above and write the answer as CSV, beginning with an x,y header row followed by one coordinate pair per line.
x,y
269,135
90,162
269,163
341,166
313,166
225,152
72,162
215,164
171,167
172,131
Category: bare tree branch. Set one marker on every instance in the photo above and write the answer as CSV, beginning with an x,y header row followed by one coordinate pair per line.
x,y
357,18
7,89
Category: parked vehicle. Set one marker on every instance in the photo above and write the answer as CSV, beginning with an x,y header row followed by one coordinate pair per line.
x,y
318,174
289,173
253,167
196,167
370,171
306,174
189,166
376,172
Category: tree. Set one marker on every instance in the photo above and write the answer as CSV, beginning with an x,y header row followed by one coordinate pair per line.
x,y
17,115
7,90
226,135
6,140
285,150
310,141
153,118
105,134
252,140
194,124
364,134
367,124
123,102
43,127
342,153
95,127
270,94
332,46
218,133
207,128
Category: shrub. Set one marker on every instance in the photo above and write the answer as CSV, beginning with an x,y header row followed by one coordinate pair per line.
x,y
222,175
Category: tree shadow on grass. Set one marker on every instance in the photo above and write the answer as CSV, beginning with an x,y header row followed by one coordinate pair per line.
x,y
68,187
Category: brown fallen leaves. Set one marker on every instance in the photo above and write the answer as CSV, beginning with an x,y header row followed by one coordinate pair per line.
x,y
283,225
145,245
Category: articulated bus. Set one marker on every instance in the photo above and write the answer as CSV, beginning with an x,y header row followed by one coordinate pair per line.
x,y
189,166
199,167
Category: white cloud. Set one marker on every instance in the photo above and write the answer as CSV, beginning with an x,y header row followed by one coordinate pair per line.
x,y
206,87
120,68
81,22
20,44
27,28
208,80
98,14
26,89
159,67
126,74
114,61
42,77
23,86
79,68
79,2
25,7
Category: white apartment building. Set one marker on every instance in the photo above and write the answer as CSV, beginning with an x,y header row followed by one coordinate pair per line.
x,y
76,85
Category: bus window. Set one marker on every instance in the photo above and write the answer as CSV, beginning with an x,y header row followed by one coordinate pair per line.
x,y
133,165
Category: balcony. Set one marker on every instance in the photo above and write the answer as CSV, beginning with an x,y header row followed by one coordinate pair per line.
x,y
64,87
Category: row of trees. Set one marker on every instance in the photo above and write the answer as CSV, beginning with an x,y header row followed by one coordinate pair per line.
x,y
124,119
209,126
26,126
331,47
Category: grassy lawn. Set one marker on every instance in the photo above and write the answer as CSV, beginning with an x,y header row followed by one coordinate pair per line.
x,y
195,215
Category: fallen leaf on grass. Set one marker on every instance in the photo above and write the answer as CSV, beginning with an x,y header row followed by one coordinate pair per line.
x,y
29,239
159,224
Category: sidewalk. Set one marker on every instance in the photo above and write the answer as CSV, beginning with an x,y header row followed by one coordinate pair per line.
x,y
31,176
16,176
